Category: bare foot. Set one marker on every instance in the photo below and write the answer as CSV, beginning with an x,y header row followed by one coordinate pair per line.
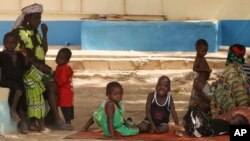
x,y
45,131
21,128
34,128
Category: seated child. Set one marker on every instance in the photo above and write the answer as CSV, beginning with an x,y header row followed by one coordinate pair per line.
x,y
201,93
159,105
63,77
110,114
12,64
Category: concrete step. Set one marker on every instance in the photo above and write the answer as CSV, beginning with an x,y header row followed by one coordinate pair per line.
x,y
100,60
97,60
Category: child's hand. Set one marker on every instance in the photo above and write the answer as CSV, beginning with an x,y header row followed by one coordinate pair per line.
x,y
154,129
44,28
23,51
45,69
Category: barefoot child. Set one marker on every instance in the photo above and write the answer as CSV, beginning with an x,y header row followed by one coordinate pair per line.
x,y
159,106
200,96
109,116
63,77
13,66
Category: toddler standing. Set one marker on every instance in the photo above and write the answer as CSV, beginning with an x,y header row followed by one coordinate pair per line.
x,y
63,77
201,93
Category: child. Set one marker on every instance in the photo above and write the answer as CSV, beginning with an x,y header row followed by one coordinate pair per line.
x,y
12,69
159,106
200,63
110,114
13,66
200,96
34,88
63,77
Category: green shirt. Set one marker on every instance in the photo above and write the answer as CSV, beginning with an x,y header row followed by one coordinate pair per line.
x,y
31,39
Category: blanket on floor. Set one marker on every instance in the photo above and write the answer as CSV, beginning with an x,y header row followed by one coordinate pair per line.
x,y
97,134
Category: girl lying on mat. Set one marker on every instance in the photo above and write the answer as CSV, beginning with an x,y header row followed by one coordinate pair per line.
x,y
159,106
109,116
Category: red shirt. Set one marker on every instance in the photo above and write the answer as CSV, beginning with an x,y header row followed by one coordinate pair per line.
x,y
63,76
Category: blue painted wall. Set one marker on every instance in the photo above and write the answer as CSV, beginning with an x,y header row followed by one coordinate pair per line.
x,y
147,36
235,31
143,36
5,26
60,32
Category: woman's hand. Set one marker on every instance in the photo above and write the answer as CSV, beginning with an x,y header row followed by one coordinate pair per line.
x,y
44,28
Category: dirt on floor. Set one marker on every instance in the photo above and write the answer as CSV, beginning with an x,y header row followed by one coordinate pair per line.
x,y
90,92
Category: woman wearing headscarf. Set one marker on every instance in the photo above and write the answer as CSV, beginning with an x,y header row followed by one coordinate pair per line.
x,y
30,40
232,88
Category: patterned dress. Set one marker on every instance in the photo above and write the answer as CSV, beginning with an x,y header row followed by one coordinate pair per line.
x,y
232,90
100,119
34,93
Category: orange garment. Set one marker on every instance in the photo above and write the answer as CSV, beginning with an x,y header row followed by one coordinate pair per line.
x,y
63,76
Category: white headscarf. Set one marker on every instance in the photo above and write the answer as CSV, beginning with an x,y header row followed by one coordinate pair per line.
x,y
34,8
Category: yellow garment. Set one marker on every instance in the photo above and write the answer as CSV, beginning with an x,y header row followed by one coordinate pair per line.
x,y
25,36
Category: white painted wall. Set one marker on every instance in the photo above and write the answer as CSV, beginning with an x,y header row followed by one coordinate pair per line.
x,y
173,9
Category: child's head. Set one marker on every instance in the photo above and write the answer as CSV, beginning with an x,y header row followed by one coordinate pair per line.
x,y
239,119
63,56
163,85
201,46
114,91
10,41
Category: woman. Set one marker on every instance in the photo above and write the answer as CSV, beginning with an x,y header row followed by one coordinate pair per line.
x,y
26,27
232,88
